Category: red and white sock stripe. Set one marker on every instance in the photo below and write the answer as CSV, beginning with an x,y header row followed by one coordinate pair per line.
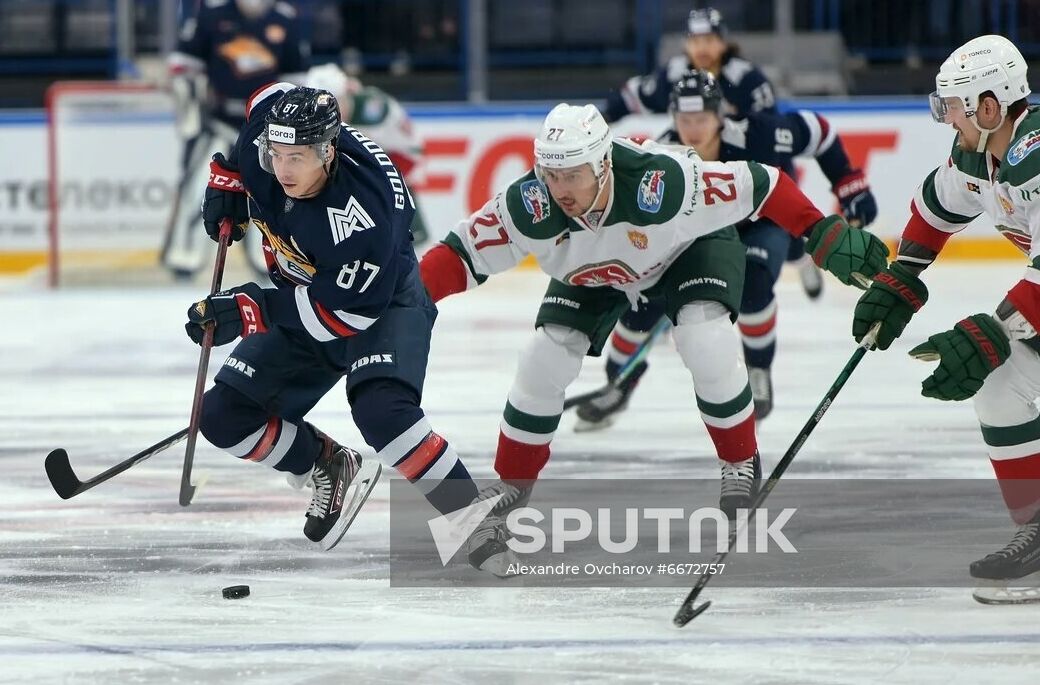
x,y
267,445
624,342
758,329
1019,479
420,455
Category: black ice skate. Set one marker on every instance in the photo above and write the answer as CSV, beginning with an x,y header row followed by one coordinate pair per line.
x,y
740,481
341,486
486,547
600,412
761,382
1019,558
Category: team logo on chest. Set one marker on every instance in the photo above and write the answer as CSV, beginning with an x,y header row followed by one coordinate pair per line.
x,y
611,272
650,194
536,200
345,221
639,239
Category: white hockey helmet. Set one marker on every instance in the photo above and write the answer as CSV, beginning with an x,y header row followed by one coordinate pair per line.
x,y
330,77
572,136
987,63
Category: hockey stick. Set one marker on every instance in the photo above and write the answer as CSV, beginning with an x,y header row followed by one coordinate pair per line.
x,y
187,489
67,484
634,359
687,612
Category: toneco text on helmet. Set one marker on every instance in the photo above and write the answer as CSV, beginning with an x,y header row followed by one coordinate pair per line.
x,y
985,64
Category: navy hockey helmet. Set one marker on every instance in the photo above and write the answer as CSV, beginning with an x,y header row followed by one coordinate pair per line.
x,y
303,116
696,91
707,20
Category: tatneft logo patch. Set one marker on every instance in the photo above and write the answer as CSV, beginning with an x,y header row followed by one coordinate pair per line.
x,y
281,134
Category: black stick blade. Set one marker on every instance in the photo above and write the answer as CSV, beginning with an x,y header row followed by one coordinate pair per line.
x,y
687,613
61,475
187,494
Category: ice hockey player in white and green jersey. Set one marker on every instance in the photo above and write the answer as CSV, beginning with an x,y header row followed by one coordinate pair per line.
x,y
994,169
612,221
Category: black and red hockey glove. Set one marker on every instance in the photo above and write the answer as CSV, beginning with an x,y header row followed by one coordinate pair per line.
x,y
225,199
858,205
237,312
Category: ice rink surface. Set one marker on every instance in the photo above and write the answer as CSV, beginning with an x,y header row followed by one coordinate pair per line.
x,y
122,585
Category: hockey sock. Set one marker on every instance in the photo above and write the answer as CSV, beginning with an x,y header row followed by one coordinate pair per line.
x,y
1014,452
549,363
710,349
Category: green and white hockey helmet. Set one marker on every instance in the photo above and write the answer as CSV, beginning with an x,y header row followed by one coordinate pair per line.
x,y
330,77
987,63
571,136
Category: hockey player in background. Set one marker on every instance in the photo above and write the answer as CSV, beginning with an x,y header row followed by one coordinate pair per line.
x,y
993,169
380,117
348,303
745,90
227,50
698,121
613,222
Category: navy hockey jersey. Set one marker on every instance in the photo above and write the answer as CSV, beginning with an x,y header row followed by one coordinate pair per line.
x,y
340,257
775,139
239,54
744,87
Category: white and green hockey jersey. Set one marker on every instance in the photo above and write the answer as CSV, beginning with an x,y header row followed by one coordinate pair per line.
x,y
970,184
664,198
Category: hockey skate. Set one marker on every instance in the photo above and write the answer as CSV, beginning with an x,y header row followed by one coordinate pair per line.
x,y
1018,561
761,382
600,412
486,547
740,481
341,486
811,277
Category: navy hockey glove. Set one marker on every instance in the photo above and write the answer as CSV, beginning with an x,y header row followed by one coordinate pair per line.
x,y
236,312
225,199
858,205
967,354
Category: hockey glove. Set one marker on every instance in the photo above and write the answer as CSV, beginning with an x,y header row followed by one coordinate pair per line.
x,y
895,295
858,205
225,198
235,312
854,256
967,353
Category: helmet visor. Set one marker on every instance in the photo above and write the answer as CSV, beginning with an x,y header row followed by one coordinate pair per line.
x,y
944,108
291,158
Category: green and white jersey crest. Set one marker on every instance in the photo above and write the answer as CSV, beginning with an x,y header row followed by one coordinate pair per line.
x,y
1008,192
663,198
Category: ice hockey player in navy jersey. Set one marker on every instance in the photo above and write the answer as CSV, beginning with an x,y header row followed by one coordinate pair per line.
x,y
696,107
225,51
745,90
348,302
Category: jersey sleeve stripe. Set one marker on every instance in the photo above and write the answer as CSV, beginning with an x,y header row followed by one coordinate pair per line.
x,y
816,133
308,311
763,183
472,277
932,211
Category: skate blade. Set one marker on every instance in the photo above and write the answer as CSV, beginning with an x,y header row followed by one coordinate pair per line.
x,y
499,564
583,426
1002,595
360,488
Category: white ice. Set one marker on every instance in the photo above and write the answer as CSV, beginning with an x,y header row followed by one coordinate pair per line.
x,y
120,584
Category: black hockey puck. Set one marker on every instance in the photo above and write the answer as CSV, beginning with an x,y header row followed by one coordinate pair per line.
x,y
235,591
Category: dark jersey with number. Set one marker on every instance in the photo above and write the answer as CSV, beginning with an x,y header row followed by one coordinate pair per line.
x,y
775,139
744,87
239,54
339,258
